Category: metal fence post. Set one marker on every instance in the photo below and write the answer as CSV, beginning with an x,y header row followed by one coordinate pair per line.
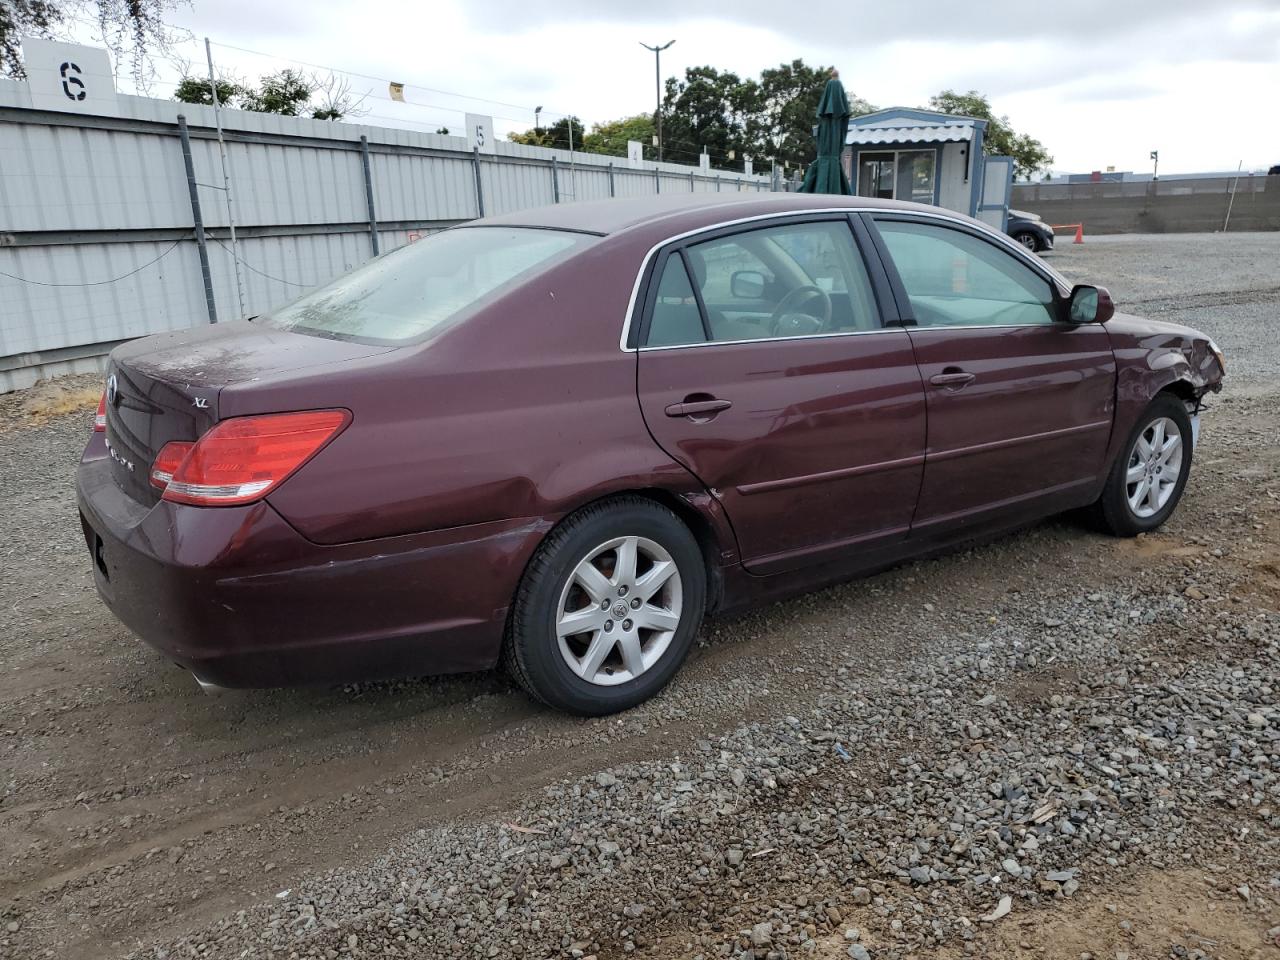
x,y
717,183
657,181
368,194
475,164
611,193
555,179
201,246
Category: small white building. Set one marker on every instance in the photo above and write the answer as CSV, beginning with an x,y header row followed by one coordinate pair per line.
x,y
928,157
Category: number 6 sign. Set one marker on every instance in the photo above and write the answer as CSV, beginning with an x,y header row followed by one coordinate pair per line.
x,y
69,78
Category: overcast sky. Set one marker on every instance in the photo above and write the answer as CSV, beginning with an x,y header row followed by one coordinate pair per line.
x,y
1100,82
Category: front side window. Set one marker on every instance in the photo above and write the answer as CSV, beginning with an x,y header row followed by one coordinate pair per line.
x,y
416,291
955,279
803,279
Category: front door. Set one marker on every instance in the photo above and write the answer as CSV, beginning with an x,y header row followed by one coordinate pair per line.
x,y
764,369
1020,403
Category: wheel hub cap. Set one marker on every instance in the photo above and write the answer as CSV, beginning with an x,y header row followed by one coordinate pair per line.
x,y
619,610
1153,468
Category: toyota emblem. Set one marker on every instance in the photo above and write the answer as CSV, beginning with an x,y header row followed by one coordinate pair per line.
x,y
113,389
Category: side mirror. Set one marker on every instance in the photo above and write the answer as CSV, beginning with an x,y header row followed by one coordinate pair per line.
x,y
747,285
1090,305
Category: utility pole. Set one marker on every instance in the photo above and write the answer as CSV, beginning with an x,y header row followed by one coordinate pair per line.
x,y
226,178
657,84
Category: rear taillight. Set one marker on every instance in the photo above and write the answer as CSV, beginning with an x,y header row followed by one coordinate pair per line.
x,y
242,459
100,418
167,461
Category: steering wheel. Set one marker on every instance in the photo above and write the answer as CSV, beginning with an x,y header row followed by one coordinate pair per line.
x,y
797,296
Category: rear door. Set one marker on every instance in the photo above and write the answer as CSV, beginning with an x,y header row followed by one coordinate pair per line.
x,y
1020,403
765,369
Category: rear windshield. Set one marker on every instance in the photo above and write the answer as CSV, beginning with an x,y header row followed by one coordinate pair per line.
x,y
414,292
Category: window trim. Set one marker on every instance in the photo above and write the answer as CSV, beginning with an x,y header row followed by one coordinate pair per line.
x,y
677,246
1056,286
631,326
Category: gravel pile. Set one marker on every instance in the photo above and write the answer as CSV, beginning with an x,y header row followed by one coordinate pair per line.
x,y
1067,738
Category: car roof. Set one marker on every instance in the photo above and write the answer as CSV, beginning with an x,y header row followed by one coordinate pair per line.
x,y
692,210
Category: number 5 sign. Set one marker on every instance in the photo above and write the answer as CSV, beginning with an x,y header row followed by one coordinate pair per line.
x,y
480,132
69,77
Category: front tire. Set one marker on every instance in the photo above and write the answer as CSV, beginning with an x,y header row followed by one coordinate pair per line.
x,y
1148,477
608,608
1028,240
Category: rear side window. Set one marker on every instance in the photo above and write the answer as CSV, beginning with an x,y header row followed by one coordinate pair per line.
x,y
954,279
416,291
676,318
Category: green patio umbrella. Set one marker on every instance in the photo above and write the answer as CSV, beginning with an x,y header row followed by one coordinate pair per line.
x,y
825,175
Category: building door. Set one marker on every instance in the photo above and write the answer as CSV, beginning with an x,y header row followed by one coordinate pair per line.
x,y
997,188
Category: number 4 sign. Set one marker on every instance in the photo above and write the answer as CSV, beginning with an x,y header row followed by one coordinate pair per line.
x,y
68,77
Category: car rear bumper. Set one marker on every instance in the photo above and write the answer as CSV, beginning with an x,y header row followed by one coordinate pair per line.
x,y
241,599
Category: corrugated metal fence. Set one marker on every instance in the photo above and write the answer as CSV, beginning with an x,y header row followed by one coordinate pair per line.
x,y
97,230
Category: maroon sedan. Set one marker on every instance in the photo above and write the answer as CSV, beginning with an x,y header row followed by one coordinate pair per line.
x,y
559,438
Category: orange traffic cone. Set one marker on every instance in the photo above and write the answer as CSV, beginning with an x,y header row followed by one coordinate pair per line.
x,y
1079,233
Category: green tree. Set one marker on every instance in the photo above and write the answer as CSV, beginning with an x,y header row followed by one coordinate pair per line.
x,y
555,136
1029,155
611,138
289,92
196,90
131,29
782,127
708,109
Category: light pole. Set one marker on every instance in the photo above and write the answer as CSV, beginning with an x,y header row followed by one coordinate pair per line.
x,y
657,84
1155,164
537,123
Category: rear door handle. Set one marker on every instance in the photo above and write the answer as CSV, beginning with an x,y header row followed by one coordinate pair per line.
x,y
951,378
693,408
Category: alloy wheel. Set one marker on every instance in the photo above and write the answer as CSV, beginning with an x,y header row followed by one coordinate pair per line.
x,y
619,610
1155,463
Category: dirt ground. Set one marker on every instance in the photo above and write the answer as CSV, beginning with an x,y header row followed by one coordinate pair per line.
x,y
135,809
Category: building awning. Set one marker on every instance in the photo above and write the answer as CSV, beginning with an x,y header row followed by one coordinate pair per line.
x,y
935,133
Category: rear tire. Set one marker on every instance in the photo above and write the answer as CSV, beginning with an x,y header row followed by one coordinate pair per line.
x,y
1145,483
608,608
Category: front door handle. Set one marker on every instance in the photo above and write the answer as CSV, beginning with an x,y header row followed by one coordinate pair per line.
x,y
696,408
951,377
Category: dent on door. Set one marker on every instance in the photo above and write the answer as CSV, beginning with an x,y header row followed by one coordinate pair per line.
x,y
812,445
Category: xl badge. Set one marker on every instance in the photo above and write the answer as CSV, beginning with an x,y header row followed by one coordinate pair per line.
x,y
200,403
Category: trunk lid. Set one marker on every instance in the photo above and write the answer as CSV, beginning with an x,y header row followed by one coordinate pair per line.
x,y
166,387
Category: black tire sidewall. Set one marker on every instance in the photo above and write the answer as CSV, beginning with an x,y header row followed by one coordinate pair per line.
x,y
1034,246
533,622
1115,501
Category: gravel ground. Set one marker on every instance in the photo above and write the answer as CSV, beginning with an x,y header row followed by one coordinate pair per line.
x,y
1054,745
